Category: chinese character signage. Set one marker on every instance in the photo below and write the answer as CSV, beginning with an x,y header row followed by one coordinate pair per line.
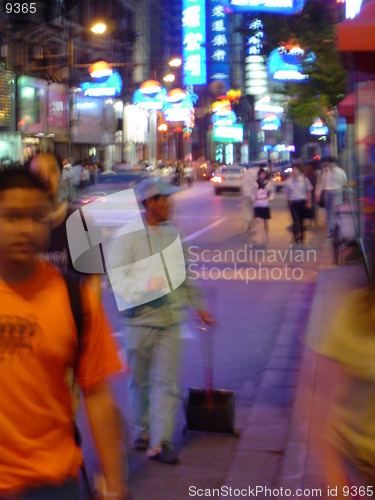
x,y
194,42
218,53
57,109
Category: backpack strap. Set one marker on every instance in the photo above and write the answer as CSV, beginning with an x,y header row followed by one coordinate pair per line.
x,y
74,292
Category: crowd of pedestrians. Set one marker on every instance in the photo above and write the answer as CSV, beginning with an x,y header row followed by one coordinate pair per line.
x,y
308,187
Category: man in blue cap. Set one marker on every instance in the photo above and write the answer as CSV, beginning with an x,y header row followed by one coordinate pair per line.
x,y
147,271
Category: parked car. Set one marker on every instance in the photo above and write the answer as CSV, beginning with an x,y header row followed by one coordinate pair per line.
x,y
228,178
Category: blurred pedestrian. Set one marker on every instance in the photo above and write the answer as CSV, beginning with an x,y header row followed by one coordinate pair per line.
x,y
249,190
67,181
298,191
46,166
330,189
263,194
147,290
39,457
310,172
348,410
189,173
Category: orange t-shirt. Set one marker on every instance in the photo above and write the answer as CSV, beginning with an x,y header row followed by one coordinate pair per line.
x,y
38,345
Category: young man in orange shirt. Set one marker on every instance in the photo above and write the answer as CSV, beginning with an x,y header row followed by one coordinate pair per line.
x,y
39,458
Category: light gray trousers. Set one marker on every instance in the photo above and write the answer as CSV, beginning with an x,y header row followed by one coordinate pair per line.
x,y
154,358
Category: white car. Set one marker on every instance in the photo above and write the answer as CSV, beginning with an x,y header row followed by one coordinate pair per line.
x,y
228,178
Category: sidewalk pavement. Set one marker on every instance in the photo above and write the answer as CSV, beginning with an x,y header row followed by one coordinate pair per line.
x,y
301,467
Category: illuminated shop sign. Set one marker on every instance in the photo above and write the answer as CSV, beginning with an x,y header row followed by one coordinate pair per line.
x,y
255,69
194,42
107,87
149,96
179,106
218,36
285,7
286,63
222,113
270,122
233,133
318,128
352,8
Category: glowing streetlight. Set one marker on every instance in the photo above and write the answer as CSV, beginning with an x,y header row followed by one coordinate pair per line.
x,y
99,28
175,63
169,78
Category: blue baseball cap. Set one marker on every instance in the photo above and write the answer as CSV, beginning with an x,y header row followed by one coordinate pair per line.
x,y
155,186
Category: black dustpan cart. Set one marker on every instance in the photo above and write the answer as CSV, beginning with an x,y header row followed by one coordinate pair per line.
x,y
209,409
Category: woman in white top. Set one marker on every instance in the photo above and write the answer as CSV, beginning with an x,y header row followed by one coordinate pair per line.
x,y
298,190
262,196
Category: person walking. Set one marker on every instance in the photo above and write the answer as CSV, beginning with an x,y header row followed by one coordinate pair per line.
x,y
249,188
347,443
39,457
146,289
263,194
310,172
298,191
330,189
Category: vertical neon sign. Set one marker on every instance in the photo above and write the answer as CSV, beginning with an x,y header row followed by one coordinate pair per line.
x,y
219,43
353,8
194,42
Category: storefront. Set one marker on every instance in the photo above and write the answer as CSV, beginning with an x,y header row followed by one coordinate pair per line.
x,y
356,39
57,132
93,130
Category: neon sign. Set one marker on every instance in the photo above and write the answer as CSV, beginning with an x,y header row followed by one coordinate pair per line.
x,y
285,7
109,87
270,122
150,95
286,63
352,8
218,31
233,133
318,128
194,42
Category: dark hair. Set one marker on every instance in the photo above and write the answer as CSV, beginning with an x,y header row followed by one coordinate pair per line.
x,y
261,170
57,157
20,177
299,166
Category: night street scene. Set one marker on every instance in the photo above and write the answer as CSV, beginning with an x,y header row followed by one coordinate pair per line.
x,y
187,249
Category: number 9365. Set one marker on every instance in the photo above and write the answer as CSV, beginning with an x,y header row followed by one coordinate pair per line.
x,y
20,8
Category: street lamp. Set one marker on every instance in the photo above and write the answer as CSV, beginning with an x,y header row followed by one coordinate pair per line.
x,y
169,78
99,28
175,63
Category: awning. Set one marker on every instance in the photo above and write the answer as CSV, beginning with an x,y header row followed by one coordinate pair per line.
x,y
358,37
365,94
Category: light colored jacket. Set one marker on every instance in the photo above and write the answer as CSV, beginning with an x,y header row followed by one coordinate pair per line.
x,y
132,259
331,179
